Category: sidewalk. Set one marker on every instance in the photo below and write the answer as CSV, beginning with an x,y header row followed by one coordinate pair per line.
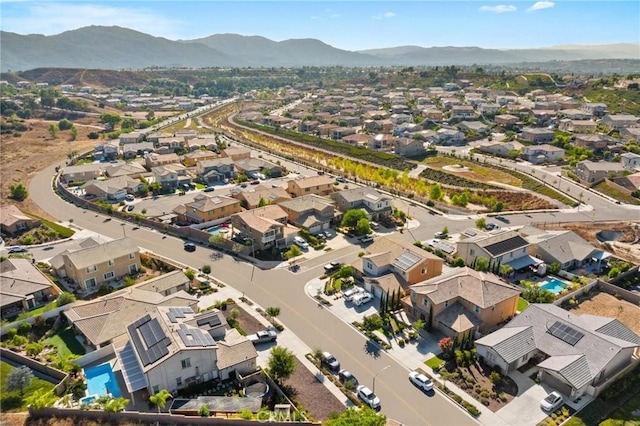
x,y
286,338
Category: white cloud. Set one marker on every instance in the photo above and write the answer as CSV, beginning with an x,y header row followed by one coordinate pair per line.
x,y
386,15
541,5
500,8
54,18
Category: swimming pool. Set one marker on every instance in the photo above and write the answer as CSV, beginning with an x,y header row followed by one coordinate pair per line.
x,y
554,285
101,381
218,229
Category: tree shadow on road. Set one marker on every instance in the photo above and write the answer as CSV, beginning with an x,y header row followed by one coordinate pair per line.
x,y
372,349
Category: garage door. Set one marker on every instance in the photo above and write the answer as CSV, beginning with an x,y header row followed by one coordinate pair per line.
x,y
315,229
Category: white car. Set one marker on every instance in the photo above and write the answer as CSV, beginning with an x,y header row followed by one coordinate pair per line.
x,y
300,242
368,397
551,402
352,292
421,381
362,298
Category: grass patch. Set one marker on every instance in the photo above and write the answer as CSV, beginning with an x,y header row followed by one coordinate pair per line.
x,y
616,193
522,304
66,343
434,362
41,310
63,231
11,401
538,187
477,169
199,185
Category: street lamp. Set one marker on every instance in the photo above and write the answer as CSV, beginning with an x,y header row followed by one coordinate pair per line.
x,y
374,378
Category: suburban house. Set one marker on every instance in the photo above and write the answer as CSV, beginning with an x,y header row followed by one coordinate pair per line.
x,y
23,287
449,136
265,226
505,120
166,284
98,265
537,135
630,134
390,265
132,169
595,109
106,151
114,189
579,354
463,112
252,167
153,159
133,150
620,121
577,126
502,149
171,144
103,320
408,147
252,198
376,204
462,302
174,347
217,170
318,185
630,161
477,127
310,212
192,158
499,248
13,221
81,173
204,208
166,176
591,171
131,137
359,139
567,249
545,153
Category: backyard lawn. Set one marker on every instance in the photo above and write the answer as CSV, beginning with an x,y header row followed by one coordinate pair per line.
x,y
66,343
10,401
522,304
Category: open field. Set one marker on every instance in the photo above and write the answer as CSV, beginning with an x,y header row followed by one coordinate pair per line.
x,y
475,171
606,305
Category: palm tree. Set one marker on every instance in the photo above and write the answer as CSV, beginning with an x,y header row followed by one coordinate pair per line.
x,y
160,398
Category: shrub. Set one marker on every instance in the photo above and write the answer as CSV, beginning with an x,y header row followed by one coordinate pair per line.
x,y
11,333
246,414
495,377
65,298
206,269
484,401
24,328
18,340
34,348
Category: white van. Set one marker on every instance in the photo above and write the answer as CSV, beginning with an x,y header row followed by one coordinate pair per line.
x,y
300,242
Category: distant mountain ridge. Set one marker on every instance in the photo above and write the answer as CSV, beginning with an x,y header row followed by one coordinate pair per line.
x,y
100,47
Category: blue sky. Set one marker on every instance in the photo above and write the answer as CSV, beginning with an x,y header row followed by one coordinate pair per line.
x,y
351,25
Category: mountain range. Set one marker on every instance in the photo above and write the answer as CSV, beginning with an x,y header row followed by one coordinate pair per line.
x,y
100,47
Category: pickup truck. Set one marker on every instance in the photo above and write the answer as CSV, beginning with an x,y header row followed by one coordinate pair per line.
x,y
264,336
332,267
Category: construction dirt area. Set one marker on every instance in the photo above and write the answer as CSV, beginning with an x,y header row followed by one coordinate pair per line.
x,y
626,245
606,305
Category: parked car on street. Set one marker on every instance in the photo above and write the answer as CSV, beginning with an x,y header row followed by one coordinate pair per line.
x,y
345,376
17,249
189,247
209,189
552,402
421,381
330,362
263,336
491,226
368,397
440,235
332,267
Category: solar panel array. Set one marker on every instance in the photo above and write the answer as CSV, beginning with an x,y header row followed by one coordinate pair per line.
x,y
213,320
195,337
565,333
507,245
180,312
155,344
406,260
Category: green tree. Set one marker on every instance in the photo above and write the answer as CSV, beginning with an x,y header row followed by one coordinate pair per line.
x,y
459,262
65,124
435,193
498,206
116,405
481,223
292,252
445,230
110,120
160,399
481,264
204,411
351,217
535,294
273,311
40,398
282,363
363,227
262,202
206,269
555,267
18,191
65,298
505,270
53,130
74,133
353,417
18,379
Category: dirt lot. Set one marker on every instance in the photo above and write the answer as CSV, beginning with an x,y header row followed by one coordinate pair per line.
x,y
35,149
606,305
621,248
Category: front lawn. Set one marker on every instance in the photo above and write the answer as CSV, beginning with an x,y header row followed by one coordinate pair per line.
x,y
522,304
11,401
434,362
66,343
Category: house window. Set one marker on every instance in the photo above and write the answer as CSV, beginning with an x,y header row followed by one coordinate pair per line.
x,y
110,262
156,389
425,302
446,303
132,255
133,269
424,271
91,269
369,265
90,283
524,358
476,309
109,275
179,381
472,252
186,363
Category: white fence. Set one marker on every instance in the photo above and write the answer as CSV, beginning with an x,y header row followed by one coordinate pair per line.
x,y
46,315
93,356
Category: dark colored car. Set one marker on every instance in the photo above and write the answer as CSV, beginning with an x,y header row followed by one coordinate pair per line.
x,y
189,247
209,189
345,376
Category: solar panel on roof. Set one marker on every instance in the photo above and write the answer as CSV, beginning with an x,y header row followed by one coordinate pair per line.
x,y
172,317
212,321
406,260
565,333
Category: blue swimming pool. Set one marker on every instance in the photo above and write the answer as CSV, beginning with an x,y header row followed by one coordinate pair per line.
x,y
554,285
215,230
101,381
